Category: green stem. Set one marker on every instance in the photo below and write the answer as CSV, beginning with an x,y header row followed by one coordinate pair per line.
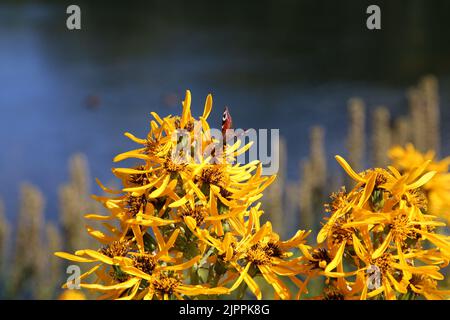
x,y
241,290
194,275
408,296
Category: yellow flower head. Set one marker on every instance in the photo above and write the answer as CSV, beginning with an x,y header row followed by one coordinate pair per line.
x,y
379,234
436,190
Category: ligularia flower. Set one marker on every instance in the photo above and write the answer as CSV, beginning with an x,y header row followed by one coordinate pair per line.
x,y
380,241
184,224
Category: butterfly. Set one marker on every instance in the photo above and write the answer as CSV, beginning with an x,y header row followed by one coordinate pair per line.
x,y
227,122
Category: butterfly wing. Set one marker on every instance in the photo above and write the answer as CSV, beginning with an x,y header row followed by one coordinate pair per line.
x,y
227,121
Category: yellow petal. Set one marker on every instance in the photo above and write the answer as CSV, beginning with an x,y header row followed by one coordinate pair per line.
x,y
423,180
382,248
100,236
367,190
131,154
172,239
277,284
158,192
97,255
178,203
107,189
151,222
337,258
135,272
123,285
130,171
134,138
141,189
132,293
349,169
186,114
359,249
418,171
241,277
190,222
72,257
208,106
323,233
98,217
394,172
184,265
138,236
157,117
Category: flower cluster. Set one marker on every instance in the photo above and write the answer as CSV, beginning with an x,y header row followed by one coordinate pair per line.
x,y
437,190
380,242
186,226
186,223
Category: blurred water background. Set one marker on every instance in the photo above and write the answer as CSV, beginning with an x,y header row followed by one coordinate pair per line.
x,y
287,65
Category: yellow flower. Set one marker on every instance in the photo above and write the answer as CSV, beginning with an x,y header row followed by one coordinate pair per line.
x,y
394,268
123,269
378,231
180,179
426,286
171,225
437,190
164,284
251,249
392,181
